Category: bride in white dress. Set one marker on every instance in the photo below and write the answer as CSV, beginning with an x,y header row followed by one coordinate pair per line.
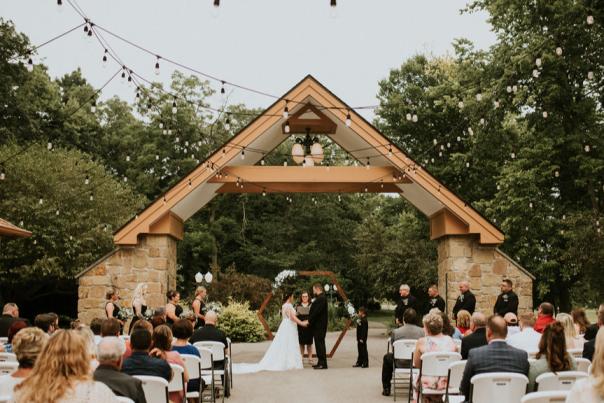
x,y
284,352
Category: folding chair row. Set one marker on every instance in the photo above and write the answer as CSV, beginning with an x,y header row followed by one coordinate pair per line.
x,y
8,367
403,350
558,396
564,380
8,357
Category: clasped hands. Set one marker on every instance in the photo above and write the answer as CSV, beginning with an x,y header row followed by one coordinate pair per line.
x,y
304,323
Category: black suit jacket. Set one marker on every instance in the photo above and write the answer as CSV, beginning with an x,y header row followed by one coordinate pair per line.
x,y
120,383
436,302
140,363
497,356
477,339
404,304
362,330
468,303
588,349
317,317
506,302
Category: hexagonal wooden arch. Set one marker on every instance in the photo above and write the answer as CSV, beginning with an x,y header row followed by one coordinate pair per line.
x,y
341,292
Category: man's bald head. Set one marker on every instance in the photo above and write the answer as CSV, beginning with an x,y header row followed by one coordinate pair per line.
x,y
464,286
211,317
497,329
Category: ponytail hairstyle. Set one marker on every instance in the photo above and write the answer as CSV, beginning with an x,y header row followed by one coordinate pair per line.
x,y
552,346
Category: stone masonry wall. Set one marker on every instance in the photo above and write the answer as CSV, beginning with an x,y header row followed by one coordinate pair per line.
x,y
463,258
152,261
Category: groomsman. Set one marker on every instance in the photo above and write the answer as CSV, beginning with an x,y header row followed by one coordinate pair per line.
x,y
435,300
507,301
407,301
466,299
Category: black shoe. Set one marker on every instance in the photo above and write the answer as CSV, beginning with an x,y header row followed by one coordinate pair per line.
x,y
316,366
364,366
356,365
386,392
320,367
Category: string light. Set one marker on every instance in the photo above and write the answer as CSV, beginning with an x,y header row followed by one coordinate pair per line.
x,y
414,118
93,107
590,75
545,114
59,3
559,51
190,183
49,146
538,62
216,3
390,150
87,180
30,65
408,116
2,173
174,109
91,196
590,20
479,97
287,128
286,111
243,153
264,192
222,90
105,58
460,104
157,65
41,201
368,163
348,117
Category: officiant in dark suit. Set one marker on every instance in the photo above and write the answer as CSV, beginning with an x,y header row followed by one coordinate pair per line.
x,y
317,320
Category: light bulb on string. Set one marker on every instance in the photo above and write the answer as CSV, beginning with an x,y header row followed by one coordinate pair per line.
x,y
222,89
285,162
348,119
123,75
190,183
49,146
538,62
514,89
559,51
479,97
590,20
91,196
89,33
93,106
243,153
482,121
408,116
264,192
368,165
174,109
536,73
556,174
508,89
161,125
157,65
57,212
390,150
262,161
30,65
87,180
496,104
2,174
545,115
470,131
227,122
104,59
587,148
590,75
414,118
460,104
286,129
127,158
458,138
285,111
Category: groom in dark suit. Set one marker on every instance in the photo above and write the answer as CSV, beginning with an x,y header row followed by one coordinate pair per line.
x,y
317,320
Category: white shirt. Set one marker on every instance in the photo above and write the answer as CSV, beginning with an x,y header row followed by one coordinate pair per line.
x,y
7,384
583,391
512,330
527,340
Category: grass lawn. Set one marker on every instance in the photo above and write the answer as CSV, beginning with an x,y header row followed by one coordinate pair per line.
x,y
384,316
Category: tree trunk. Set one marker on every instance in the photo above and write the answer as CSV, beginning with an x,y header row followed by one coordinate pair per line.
x,y
564,295
214,243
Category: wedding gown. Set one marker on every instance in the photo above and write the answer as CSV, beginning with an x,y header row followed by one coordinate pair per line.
x,y
284,352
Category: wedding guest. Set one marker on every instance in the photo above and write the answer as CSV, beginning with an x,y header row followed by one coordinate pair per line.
x,y
198,306
466,300
592,330
112,308
580,320
110,353
10,313
110,327
140,362
173,310
15,328
62,374
140,324
434,300
552,356
158,320
95,326
88,336
507,301
512,321
27,345
304,332
589,347
527,339
46,322
405,302
162,348
182,331
434,341
449,329
139,304
463,322
573,340
408,330
545,316
478,337
591,389
362,333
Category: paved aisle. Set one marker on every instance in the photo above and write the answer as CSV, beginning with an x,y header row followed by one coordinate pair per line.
x,y
340,383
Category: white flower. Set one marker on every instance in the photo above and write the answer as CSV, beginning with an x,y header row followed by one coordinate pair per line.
x,y
281,277
350,310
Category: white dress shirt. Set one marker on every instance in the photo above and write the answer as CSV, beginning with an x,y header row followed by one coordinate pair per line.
x,y
527,340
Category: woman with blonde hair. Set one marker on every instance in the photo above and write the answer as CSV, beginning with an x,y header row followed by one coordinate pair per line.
x,y
139,305
591,389
62,374
27,345
573,340
198,305
463,321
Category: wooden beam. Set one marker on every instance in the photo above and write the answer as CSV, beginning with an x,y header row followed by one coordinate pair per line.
x,y
284,187
168,224
446,223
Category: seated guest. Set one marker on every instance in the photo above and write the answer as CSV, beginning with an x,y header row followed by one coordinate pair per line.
x,y
85,332
434,341
111,327
110,351
12,331
552,355
62,374
158,320
448,329
496,356
478,337
589,347
162,348
592,330
182,331
139,324
10,313
527,339
407,331
140,363
27,345
573,340
95,326
463,322
580,320
511,320
46,322
545,316
591,389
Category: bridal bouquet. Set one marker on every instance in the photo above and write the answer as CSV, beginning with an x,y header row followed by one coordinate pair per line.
x,y
125,314
354,316
281,277
213,306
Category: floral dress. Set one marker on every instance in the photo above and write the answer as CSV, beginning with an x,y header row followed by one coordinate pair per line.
x,y
436,344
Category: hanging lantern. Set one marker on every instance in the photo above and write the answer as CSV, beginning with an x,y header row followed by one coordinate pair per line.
x,y
316,151
198,277
308,161
209,277
298,153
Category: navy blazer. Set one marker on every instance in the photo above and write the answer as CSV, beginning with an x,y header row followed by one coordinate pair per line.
x,y
497,356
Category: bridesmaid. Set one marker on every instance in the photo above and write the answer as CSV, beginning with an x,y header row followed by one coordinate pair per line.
x,y
173,310
139,305
198,305
112,309
304,333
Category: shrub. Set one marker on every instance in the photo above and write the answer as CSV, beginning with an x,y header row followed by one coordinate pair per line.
x,y
240,287
240,323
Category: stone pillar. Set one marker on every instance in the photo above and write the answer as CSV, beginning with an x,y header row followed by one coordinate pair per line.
x,y
461,257
152,261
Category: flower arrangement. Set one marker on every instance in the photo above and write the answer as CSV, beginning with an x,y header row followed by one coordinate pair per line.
x,y
282,276
352,313
125,314
213,306
148,314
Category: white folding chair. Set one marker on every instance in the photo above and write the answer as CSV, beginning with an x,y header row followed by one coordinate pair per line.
x,y
583,364
6,399
230,362
558,381
222,375
589,369
454,378
123,399
500,387
193,365
556,396
435,364
532,354
403,350
177,383
155,388
3,340
576,352
207,371
8,367
8,357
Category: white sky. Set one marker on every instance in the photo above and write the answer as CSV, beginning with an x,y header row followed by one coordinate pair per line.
x,y
264,44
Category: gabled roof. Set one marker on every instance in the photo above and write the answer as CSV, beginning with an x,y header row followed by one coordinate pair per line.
x,y
11,230
361,140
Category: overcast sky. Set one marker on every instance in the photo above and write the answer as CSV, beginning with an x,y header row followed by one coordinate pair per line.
x,y
268,45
